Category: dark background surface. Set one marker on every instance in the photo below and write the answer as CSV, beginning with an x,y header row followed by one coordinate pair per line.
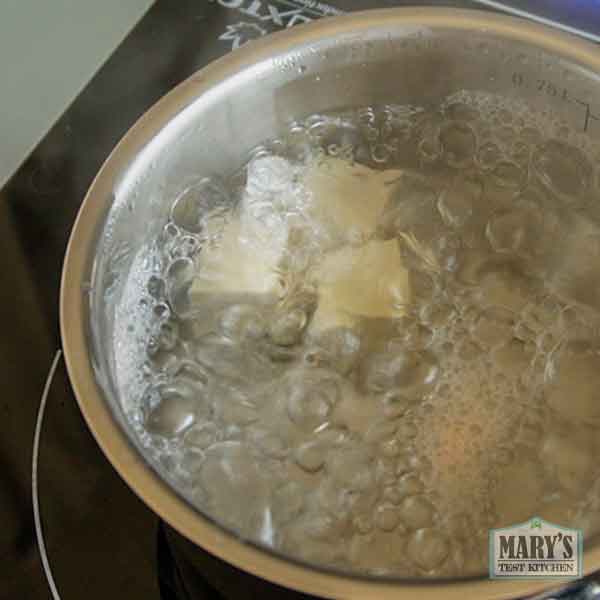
x,y
101,540
583,15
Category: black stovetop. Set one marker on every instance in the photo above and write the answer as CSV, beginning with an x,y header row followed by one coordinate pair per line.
x,y
99,539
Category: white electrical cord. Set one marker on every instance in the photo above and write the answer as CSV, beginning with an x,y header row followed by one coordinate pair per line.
x,y
34,477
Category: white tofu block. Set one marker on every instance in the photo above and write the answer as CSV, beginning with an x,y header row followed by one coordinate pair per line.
x,y
360,281
346,199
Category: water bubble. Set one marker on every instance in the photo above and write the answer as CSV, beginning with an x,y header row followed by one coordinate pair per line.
x,y
232,362
515,230
396,130
513,356
363,524
506,134
198,203
190,464
413,372
415,336
366,116
457,203
521,153
270,444
406,431
416,512
468,350
395,403
160,358
387,517
380,430
493,327
161,310
180,275
458,143
504,456
509,175
371,133
437,314
236,485
156,287
173,408
170,232
351,468
563,168
337,348
428,548
287,327
429,149
530,434
547,342
234,407
460,111
288,502
503,284
202,435
505,115
380,153
385,470
311,455
186,246
190,371
167,335
241,322
311,399
412,207
321,527
391,448
269,175
298,143
531,135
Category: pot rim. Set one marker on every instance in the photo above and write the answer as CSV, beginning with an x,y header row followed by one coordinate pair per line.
x,y
125,458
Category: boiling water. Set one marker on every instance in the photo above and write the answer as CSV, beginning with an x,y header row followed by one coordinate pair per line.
x,y
379,339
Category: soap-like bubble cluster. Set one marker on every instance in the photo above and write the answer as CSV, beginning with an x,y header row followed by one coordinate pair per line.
x,y
371,386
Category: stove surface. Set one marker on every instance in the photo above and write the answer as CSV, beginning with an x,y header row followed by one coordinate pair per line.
x,y
100,540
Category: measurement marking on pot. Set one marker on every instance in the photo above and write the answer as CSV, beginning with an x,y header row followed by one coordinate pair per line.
x,y
556,91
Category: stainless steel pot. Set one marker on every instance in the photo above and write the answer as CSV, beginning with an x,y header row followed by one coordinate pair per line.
x,y
209,123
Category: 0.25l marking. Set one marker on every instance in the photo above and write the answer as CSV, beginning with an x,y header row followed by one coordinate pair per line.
x,y
551,89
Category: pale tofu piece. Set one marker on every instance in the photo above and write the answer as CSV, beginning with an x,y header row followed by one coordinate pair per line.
x,y
346,199
344,202
244,261
329,316
360,281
